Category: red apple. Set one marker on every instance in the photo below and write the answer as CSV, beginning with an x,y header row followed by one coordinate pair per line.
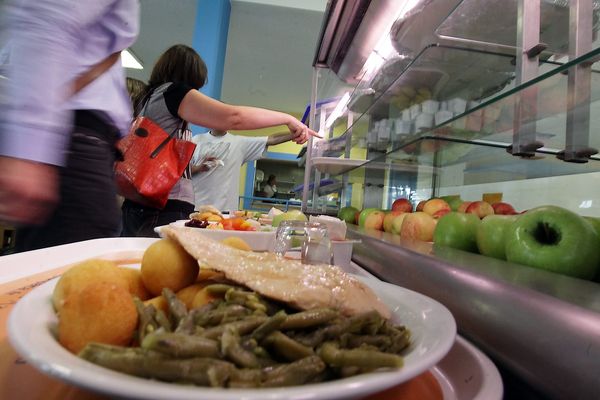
x,y
402,204
389,217
420,205
436,206
480,208
374,220
463,207
440,213
419,226
501,208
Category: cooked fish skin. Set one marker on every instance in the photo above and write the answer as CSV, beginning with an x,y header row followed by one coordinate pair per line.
x,y
303,286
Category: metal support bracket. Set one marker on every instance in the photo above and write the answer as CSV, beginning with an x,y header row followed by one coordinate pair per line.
x,y
579,84
524,141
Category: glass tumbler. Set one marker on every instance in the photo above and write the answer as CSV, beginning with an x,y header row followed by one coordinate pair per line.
x,y
311,238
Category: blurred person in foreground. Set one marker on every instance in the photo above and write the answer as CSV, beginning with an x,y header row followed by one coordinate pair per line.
x,y
57,148
172,97
233,151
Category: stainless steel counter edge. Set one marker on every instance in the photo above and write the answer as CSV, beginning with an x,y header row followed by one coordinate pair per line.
x,y
544,327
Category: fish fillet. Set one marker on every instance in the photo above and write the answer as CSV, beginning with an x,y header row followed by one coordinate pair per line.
x,y
303,286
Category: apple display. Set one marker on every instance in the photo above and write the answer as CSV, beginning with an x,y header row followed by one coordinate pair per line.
x,y
457,230
491,235
480,208
419,226
389,217
397,223
436,206
374,220
554,239
402,204
348,214
463,206
501,208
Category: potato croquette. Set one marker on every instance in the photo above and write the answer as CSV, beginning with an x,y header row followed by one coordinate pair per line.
x,y
82,274
100,312
203,297
159,303
135,283
166,264
187,294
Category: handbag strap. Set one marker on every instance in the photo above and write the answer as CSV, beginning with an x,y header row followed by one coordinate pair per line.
x,y
182,126
168,138
93,73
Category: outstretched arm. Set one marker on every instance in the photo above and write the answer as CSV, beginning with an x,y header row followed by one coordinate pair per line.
x,y
200,109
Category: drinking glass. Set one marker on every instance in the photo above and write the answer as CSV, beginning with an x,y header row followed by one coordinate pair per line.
x,y
310,237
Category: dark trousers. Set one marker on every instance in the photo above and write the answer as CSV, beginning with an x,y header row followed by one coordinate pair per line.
x,y
139,220
88,207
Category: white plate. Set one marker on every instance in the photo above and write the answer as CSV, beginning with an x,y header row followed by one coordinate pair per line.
x,y
32,320
465,373
257,240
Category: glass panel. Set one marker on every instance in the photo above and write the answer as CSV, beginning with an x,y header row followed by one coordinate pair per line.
x,y
495,22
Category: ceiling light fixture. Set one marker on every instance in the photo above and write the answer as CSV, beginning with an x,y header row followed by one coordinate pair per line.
x,y
129,60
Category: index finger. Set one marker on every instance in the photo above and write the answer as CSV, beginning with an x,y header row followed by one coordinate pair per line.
x,y
313,133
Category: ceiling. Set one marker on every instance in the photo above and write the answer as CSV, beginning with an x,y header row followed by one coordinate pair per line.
x,y
270,47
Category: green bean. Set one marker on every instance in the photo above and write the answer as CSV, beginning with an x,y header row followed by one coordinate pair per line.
x,y
381,342
233,350
181,345
369,323
310,318
223,313
145,364
270,325
245,298
177,309
218,288
296,373
243,326
287,347
163,321
147,323
245,378
368,359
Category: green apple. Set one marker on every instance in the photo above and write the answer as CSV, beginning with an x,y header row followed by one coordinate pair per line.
x,y
295,215
454,201
363,215
457,230
554,239
491,235
348,214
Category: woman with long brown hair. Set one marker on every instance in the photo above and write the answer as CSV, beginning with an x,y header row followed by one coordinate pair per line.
x,y
171,98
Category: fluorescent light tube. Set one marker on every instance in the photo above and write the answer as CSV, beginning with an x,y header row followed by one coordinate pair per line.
x,y
129,60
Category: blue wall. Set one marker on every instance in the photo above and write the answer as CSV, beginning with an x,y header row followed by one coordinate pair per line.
x,y
210,41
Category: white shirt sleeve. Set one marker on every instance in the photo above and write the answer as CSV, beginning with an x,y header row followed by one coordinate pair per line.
x,y
254,147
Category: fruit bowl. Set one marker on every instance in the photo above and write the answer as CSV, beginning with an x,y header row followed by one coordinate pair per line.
x,y
257,240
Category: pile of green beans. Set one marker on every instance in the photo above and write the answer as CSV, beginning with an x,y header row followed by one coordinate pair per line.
x,y
247,341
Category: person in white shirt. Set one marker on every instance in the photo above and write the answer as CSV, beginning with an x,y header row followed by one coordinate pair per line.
x,y
217,161
270,187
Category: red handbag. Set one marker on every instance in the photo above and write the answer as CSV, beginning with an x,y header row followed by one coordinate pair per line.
x,y
153,161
